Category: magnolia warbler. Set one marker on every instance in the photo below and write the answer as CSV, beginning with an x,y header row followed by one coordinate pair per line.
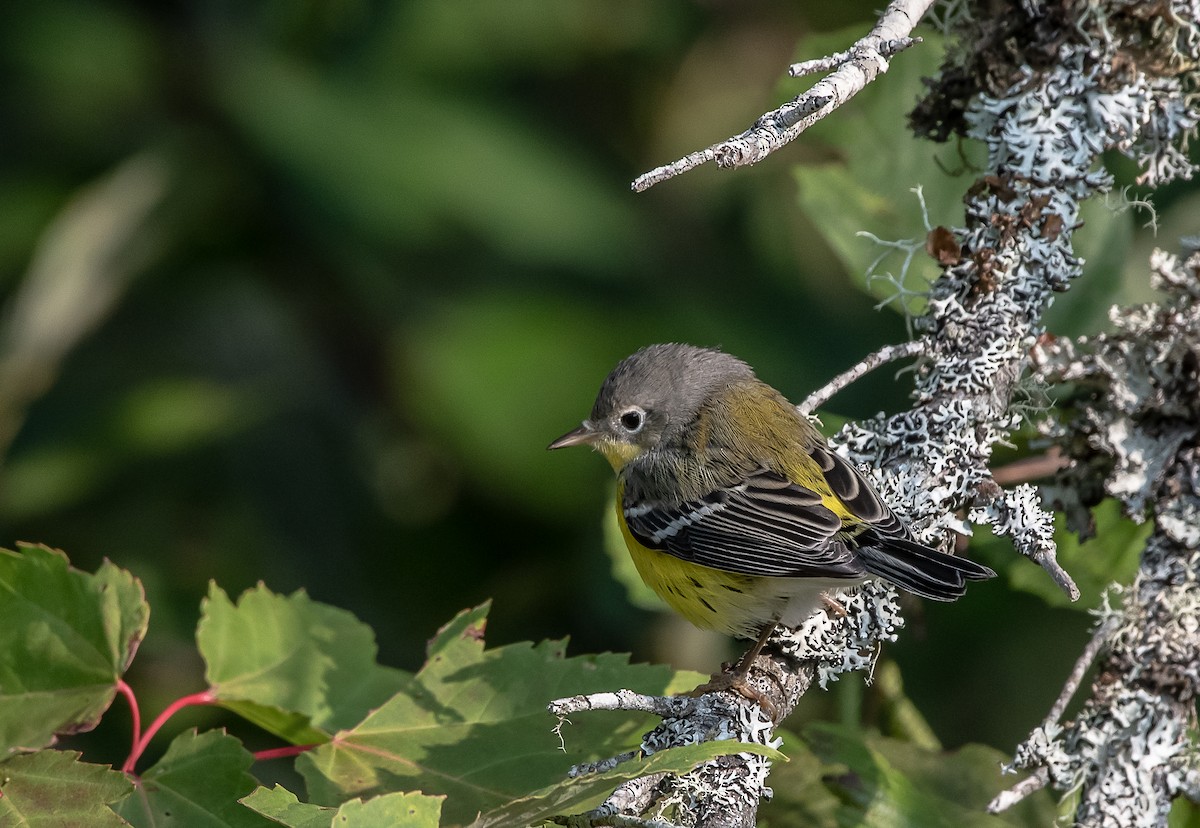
x,y
734,509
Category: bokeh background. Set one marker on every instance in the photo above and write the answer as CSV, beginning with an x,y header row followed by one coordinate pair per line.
x,y
298,292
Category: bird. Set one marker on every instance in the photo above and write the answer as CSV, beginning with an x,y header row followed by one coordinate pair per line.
x,y
734,508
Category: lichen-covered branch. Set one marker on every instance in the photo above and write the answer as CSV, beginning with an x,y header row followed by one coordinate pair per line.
x,y
1134,434
1088,77
852,69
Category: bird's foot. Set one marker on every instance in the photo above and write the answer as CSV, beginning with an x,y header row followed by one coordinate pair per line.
x,y
736,682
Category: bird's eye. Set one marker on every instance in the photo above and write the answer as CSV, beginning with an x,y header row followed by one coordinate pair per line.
x,y
633,420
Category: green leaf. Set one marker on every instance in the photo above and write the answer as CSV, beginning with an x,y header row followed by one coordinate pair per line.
x,y
1184,814
296,667
570,796
52,789
403,810
280,805
196,784
395,810
66,638
474,724
885,783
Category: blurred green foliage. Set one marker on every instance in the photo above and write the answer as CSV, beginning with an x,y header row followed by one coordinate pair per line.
x,y
390,253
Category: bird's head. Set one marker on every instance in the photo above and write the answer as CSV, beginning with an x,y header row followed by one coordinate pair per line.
x,y
650,397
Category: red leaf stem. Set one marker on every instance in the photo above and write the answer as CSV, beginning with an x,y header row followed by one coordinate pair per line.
x,y
201,698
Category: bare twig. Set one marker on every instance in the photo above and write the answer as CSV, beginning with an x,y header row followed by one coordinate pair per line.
x,y
856,67
889,353
1082,664
1047,559
1031,468
858,51
1040,776
727,792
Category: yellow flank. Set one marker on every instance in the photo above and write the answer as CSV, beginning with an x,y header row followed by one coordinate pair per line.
x,y
709,598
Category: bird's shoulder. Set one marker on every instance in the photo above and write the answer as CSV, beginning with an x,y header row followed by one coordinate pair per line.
x,y
748,432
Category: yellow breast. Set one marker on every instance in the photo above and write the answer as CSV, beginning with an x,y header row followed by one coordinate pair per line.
x,y
737,605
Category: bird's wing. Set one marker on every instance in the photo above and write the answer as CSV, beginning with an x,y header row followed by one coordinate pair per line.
x,y
856,493
764,525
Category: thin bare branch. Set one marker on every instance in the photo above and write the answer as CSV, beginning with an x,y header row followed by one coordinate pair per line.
x,y
662,706
889,353
1082,664
1047,559
856,52
1031,468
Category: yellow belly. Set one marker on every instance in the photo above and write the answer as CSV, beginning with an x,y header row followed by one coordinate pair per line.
x,y
712,599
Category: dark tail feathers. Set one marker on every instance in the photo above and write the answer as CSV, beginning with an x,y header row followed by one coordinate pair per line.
x,y
919,569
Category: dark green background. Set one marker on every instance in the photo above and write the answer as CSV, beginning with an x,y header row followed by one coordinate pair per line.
x,y
396,254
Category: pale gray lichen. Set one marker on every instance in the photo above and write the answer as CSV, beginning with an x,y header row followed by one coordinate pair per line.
x,y
1137,403
734,783
838,643
1097,76
1135,428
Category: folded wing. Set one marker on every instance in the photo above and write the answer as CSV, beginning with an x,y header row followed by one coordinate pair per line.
x,y
768,526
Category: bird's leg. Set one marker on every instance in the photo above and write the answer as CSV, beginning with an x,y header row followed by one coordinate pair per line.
x,y
736,679
747,659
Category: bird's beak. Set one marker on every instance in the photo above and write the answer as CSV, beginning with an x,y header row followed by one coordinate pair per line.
x,y
581,436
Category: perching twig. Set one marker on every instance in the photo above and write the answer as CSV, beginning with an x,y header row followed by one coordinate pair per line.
x,y
661,706
856,67
727,792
